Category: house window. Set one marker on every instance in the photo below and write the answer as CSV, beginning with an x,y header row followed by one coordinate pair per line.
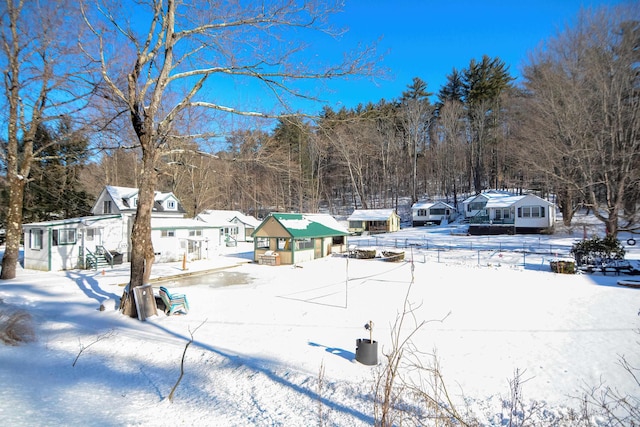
x,y
531,212
106,207
355,224
233,231
193,233
64,237
35,239
168,233
171,204
262,243
476,206
437,211
502,213
422,212
304,244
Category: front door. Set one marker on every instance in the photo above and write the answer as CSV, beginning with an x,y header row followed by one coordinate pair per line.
x,y
193,249
92,238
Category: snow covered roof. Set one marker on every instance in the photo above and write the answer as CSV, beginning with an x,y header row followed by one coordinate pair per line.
x,y
371,215
226,216
427,205
123,198
502,202
488,195
176,223
308,225
87,221
247,219
506,201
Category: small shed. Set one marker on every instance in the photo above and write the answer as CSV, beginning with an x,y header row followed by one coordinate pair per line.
x,y
297,237
374,221
427,213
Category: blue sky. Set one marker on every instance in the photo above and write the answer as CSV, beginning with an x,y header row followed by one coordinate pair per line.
x,y
428,38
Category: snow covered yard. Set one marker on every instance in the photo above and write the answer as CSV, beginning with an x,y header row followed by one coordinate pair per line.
x,y
278,346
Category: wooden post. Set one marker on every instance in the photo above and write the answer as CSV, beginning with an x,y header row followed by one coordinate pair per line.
x,y
184,261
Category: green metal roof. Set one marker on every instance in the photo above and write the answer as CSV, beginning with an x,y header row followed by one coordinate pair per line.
x,y
306,226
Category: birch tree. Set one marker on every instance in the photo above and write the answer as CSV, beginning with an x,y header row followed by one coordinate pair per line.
x,y
43,80
174,56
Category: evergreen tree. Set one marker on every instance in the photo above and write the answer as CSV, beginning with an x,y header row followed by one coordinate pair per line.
x,y
55,190
480,87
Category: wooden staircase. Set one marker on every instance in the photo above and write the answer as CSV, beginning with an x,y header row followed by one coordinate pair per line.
x,y
99,259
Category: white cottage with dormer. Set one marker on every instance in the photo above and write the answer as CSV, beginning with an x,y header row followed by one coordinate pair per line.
x,y
104,239
124,200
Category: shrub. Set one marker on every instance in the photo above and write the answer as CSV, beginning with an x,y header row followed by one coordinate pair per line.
x,y
16,326
566,267
595,250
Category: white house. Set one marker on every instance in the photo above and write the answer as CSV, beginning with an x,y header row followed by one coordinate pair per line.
x,y
423,213
175,238
124,200
374,221
234,224
506,213
105,238
475,205
66,244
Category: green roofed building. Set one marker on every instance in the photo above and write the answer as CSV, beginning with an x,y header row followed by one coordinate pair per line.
x,y
290,238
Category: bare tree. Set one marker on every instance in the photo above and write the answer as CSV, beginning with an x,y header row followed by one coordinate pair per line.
x,y
415,114
43,80
585,106
451,149
346,133
180,53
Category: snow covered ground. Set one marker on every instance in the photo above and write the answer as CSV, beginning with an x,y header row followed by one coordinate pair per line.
x,y
276,345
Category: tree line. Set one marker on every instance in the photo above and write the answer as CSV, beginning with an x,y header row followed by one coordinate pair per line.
x,y
118,102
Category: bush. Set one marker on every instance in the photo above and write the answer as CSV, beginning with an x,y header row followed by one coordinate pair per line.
x,y
597,250
566,267
16,326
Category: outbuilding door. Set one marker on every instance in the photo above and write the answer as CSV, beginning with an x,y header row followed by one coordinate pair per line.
x,y
317,248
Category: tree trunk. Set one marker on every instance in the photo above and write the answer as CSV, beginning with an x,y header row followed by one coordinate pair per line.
x,y
13,228
142,255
